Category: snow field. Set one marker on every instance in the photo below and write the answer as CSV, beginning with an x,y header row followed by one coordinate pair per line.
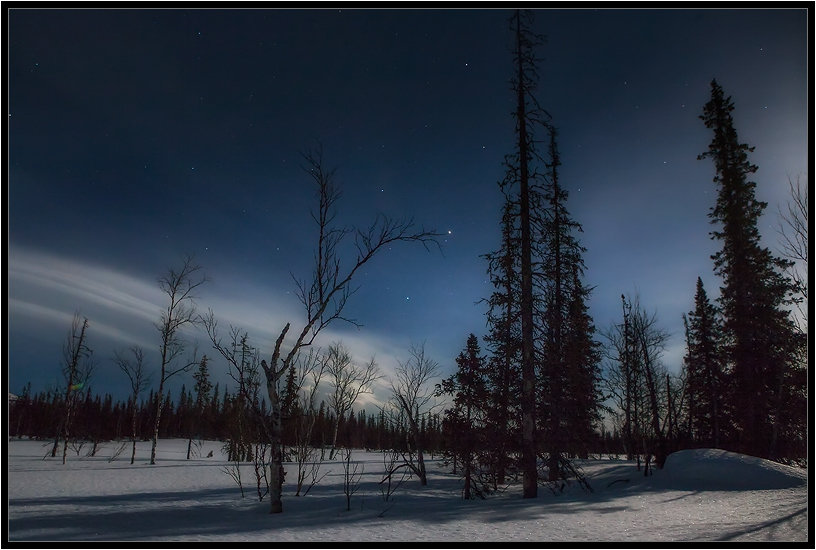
x,y
701,495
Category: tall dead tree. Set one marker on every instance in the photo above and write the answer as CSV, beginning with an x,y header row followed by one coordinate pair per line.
x,y
326,294
528,115
179,286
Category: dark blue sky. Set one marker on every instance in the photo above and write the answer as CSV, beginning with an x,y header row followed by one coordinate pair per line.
x,y
138,135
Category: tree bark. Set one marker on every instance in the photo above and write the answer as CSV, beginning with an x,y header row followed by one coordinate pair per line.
x,y
133,436
159,409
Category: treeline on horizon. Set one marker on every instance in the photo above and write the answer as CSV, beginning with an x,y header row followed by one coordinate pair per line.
x,y
98,418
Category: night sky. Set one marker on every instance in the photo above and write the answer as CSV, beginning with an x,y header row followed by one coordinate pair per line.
x,y
136,136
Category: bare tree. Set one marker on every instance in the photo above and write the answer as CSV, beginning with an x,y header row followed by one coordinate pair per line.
x,y
633,375
352,472
412,395
390,482
311,367
77,370
242,367
326,295
348,381
139,381
793,231
651,341
179,286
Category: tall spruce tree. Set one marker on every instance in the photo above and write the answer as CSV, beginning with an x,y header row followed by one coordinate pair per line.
x,y
582,395
569,357
760,342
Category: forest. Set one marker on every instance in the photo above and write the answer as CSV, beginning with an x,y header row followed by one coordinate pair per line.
x,y
543,387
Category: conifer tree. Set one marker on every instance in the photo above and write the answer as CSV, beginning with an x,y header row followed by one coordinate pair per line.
x,y
569,397
466,417
704,376
760,343
504,344
522,172
582,396
290,407
202,388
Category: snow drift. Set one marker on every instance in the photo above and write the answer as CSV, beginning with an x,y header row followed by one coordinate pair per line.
x,y
715,469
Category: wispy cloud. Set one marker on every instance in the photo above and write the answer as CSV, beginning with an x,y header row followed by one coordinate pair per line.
x,y
49,276
47,289
63,320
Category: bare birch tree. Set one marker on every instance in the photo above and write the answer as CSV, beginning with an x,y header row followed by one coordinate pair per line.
x,y
139,381
325,296
77,370
651,341
179,286
412,395
242,367
310,369
351,475
793,232
348,382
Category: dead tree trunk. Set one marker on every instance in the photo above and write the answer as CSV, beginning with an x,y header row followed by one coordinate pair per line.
x,y
528,384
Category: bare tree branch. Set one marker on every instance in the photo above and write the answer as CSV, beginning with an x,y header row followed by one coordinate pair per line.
x,y
793,232
348,382
325,297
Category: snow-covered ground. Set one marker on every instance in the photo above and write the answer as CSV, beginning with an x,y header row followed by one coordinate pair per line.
x,y
701,495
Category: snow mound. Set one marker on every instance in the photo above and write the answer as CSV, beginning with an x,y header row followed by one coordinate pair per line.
x,y
715,469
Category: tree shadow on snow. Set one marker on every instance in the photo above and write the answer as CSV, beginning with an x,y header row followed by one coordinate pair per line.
x,y
222,512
